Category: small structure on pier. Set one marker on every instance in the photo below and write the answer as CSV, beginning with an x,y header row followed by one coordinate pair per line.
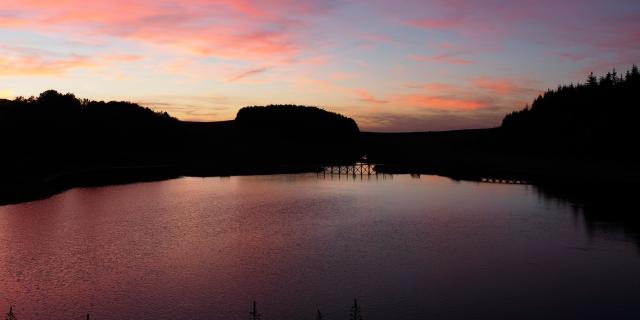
x,y
363,168
355,169
503,181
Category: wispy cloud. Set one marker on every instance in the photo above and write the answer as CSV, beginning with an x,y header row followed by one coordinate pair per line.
x,y
248,73
367,97
33,65
27,61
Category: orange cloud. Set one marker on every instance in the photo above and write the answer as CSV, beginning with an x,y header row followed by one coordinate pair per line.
x,y
502,86
440,102
478,93
21,66
7,21
366,96
515,89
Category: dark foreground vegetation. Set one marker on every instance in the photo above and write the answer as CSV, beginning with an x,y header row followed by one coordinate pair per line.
x,y
355,314
580,134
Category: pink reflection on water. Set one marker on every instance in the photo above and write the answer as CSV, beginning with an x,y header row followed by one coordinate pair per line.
x,y
195,248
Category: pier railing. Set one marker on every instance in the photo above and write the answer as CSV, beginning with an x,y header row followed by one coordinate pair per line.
x,y
355,169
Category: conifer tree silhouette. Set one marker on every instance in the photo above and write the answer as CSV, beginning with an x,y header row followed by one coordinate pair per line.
x,y
592,80
597,119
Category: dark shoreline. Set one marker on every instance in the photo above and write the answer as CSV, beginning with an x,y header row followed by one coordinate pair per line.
x,y
47,186
566,177
563,173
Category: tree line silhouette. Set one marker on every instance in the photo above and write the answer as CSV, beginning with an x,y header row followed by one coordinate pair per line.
x,y
597,118
51,135
57,134
60,125
56,129
578,133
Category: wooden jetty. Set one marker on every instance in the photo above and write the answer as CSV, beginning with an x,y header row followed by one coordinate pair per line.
x,y
503,181
359,168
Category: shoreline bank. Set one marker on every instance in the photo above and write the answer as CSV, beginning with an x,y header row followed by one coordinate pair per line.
x,y
566,174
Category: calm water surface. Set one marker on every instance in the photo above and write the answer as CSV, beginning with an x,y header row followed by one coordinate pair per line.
x,y
407,247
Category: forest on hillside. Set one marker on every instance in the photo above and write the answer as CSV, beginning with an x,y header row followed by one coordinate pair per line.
x,y
595,119
54,131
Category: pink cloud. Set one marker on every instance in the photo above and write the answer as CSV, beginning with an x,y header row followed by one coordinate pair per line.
x,y
424,120
517,90
21,66
248,73
10,21
440,102
229,29
22,61
478,94
501,86
323,51
436,23
344,76
449,58
367,97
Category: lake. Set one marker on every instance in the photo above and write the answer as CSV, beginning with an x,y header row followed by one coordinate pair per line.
x,y
408,247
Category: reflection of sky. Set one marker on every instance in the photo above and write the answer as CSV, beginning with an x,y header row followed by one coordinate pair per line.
x,y
408,248
418,65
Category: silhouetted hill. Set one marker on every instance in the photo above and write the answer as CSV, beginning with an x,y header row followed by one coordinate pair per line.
x,y
271,136
296,122
595,119
302,134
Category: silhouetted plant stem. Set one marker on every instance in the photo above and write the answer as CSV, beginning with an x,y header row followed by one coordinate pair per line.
x,y
254,315
356,311
11,315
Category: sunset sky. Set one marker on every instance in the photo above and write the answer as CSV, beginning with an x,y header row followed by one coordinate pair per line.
x,y
392,65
